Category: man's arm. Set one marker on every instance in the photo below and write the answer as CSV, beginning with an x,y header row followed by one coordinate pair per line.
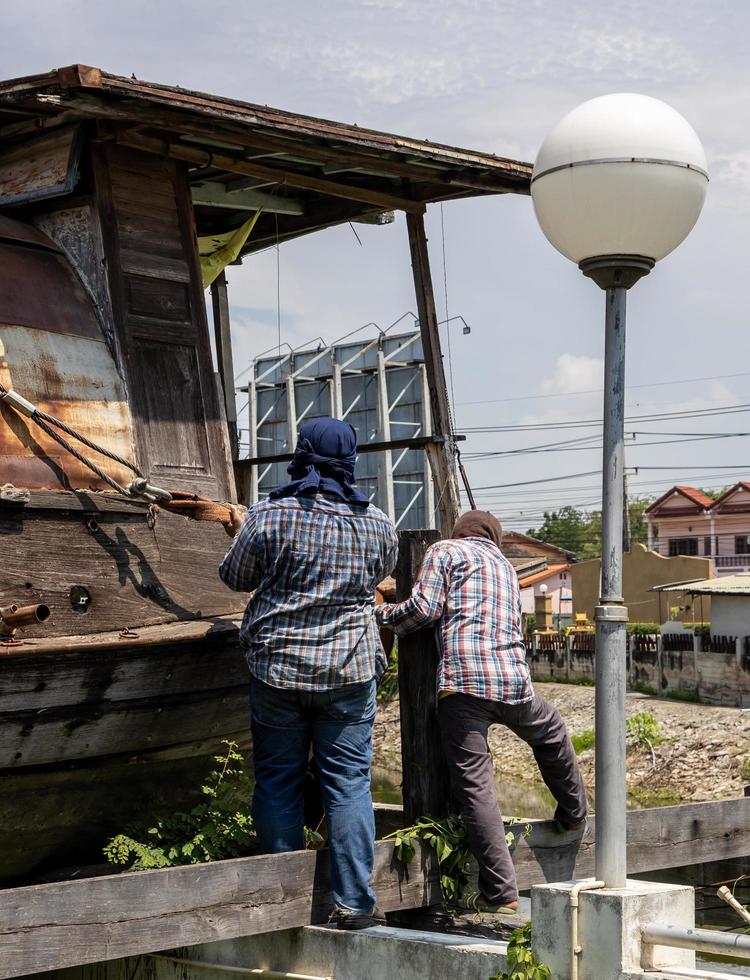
x,y
427,601
242,566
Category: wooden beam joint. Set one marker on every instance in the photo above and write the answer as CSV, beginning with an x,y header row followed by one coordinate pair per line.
x,y
208,158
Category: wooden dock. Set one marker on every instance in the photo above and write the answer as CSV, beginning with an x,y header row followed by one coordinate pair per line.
x,y
48,927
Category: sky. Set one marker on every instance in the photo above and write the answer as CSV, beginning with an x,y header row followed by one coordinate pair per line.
x,y
494,76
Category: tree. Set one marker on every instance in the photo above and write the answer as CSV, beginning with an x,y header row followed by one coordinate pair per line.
x,y
580,531
575,530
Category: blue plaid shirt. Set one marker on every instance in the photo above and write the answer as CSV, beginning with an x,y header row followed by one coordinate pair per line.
x,y
470,590
312,564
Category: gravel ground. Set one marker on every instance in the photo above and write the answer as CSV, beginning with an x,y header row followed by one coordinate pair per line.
x,y
700,756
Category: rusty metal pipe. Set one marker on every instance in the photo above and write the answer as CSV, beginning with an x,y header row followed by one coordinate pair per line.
x,y
16,617
7,610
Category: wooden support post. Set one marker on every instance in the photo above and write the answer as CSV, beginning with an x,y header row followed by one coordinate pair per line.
x,y
426,788
442,457
220,306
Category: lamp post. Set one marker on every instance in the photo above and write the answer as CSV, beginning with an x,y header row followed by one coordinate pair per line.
x,y
617,185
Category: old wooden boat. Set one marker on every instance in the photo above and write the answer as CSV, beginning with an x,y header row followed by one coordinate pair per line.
x,y
111,706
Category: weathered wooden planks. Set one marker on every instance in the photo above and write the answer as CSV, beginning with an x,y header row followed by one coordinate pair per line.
x,y
55,817
46,167
138,570
160,317
52,926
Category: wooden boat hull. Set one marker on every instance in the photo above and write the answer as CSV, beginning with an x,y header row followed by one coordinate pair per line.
x,y
95,740
111,715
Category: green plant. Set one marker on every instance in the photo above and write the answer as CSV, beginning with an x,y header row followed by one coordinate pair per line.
x,y
448,838
692,696
522,964
530,620
586,740
641,629
388,687
644,729
644,688
220,826
745,768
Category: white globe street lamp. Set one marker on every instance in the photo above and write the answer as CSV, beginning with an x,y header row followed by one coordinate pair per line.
x,y
617,185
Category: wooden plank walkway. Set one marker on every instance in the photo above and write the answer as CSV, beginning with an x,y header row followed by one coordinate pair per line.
x,y
47,927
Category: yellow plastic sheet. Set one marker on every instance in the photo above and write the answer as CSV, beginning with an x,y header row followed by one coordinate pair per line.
x,y
217,251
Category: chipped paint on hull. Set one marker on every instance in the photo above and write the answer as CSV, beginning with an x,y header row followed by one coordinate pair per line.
x,y
74,379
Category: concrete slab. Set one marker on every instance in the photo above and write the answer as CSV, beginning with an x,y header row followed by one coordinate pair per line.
x,y
609,928
382,953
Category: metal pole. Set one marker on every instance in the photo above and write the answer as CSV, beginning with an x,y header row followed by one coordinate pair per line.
x,y
611,615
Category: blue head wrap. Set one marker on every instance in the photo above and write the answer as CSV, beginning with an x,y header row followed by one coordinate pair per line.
x,y
324,462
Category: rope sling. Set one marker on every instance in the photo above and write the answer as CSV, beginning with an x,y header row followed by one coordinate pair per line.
x,y
49,424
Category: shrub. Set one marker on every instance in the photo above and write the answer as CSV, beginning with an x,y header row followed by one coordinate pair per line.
x,y
586,740
522,964
218,827
644,729
642,628
691,696
644,688
745,768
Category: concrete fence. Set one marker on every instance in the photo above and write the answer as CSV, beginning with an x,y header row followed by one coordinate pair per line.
x,y
715,670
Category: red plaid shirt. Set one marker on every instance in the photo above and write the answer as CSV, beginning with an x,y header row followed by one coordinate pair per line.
x,y
471,588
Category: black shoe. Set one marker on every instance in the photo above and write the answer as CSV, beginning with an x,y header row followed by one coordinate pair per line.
x,y
349,919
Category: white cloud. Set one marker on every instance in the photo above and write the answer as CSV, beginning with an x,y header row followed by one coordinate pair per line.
x,y
574,373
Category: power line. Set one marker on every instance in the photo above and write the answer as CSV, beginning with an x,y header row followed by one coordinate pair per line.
x,y
572,476
633,443
585,423
598,391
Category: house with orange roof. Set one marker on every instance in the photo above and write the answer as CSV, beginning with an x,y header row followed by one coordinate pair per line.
x,y
553,581
686,521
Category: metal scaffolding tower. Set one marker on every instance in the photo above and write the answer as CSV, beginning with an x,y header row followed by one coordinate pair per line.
x,y
378,384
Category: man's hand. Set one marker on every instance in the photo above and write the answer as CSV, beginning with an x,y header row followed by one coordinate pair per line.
x,y
237,516
387,589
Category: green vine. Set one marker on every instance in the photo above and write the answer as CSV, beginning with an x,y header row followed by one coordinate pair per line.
x,y
220,826
388,687
448,838
522,964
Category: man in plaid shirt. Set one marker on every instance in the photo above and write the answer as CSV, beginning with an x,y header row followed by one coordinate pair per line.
x,y
312,555
470,590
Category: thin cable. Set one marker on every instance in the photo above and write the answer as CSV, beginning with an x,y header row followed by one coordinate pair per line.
x,y
278,284
447,314
587,423
598,391
631,443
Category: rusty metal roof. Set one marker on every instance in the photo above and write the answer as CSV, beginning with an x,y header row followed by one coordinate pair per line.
x,y
305,173
723,585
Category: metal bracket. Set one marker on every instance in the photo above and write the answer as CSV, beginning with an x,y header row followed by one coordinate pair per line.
x,y
611,614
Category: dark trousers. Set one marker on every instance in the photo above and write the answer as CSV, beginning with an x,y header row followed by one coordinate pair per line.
x,y
464,724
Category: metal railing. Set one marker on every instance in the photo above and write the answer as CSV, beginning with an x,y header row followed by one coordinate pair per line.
x,y
701,940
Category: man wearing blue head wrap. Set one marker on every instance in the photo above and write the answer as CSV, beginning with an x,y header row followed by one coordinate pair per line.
x,y
312,555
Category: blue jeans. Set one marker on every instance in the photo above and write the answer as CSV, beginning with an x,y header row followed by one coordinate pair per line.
x,y
338,724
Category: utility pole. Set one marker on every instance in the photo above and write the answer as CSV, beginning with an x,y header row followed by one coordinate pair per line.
x,y
442,456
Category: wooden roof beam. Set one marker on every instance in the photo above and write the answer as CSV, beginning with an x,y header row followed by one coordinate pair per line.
x,y
216,195
248,168
511,178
